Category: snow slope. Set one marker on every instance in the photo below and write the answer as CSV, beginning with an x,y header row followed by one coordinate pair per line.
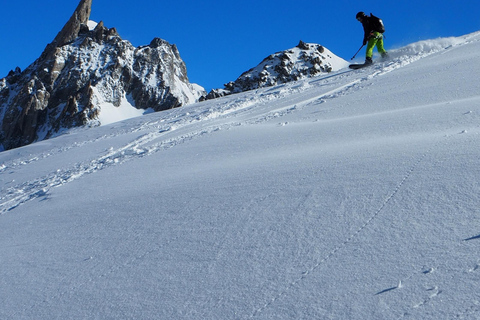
x,y
354,195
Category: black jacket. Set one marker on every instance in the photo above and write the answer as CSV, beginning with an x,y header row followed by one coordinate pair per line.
x,y
368,27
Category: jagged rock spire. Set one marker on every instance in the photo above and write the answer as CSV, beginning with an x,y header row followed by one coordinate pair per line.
x,y
71,29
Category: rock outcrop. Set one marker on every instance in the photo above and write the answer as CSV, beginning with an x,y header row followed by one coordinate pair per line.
x,y
79,18
82,70
305,60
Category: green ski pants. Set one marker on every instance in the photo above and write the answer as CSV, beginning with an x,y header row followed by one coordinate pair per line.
x,y
375,40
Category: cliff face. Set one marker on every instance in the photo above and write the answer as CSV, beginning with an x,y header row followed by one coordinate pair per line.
x,y
83,69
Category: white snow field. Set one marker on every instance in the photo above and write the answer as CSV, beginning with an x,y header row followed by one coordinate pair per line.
x,y
353,195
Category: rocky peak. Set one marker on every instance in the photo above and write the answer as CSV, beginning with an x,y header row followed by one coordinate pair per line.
x,y
72,28
304,60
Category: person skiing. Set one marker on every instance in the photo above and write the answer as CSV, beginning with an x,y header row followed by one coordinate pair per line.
x,y
374,29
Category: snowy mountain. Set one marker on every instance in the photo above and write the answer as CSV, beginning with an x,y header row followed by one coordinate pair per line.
x,y
305,60
349,195
89,76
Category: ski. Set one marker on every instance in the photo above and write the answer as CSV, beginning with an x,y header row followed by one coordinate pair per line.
x,y
356,66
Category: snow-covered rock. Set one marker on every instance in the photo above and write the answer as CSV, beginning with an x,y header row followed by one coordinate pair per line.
x,y
84,76
305,60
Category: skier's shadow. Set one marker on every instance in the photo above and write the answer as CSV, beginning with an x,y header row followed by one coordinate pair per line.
x,y
472,238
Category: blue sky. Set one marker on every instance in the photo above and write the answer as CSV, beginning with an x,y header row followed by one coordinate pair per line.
x,y
219,40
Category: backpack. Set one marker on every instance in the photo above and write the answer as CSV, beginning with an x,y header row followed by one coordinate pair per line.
x,y
377,23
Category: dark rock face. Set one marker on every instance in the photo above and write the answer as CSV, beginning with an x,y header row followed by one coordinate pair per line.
x,y
72,28
83,69
305,60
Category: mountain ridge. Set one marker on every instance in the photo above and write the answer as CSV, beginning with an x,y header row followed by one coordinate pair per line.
x,y
304,60
67,86
82,69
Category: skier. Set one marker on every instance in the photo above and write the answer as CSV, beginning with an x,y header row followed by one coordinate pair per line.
x,y
374,29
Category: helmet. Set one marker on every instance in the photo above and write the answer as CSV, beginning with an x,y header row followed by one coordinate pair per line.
x,y
361,15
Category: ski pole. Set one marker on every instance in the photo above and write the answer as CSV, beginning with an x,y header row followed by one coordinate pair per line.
x,y
357,52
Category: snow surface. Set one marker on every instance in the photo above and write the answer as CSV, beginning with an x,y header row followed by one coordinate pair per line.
x,y
353,195
110,114
91,24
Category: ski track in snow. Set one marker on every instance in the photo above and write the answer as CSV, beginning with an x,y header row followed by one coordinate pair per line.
x,y
187,123
145,144
431,292
342,245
